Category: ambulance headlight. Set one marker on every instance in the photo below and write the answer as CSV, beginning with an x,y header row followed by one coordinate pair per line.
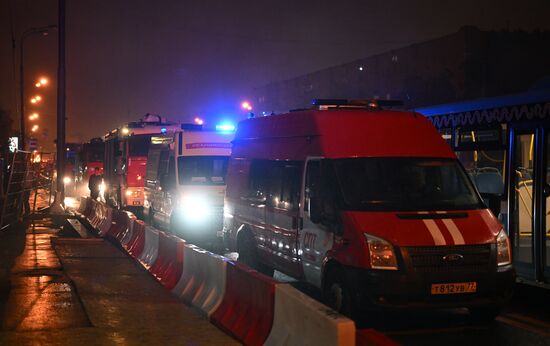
x,y
504,253
194,208
382,255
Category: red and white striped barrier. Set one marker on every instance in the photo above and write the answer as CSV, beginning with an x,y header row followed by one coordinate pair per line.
x,y
203,280
83,205
105,223
151,247
301,320
169,263
126,236
246,310
135,244
371,337
251,307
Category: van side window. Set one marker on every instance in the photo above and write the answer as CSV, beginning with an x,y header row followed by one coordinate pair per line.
x,y
258,179
284,184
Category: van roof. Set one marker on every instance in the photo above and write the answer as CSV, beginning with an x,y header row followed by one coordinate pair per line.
x,y
339,134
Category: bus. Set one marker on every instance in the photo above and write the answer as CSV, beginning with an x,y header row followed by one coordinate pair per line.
x,y
125,161
504,144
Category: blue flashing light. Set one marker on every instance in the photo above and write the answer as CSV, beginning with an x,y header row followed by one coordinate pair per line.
x,y
225,127
163,130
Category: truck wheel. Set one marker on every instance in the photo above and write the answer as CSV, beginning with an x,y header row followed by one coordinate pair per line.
x,y
484,315
338,293
248,254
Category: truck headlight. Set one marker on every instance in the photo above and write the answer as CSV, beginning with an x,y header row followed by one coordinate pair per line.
x,y
504,252
381,253
194,208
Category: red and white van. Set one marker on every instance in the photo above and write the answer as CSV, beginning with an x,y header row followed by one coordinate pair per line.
x,y
369,205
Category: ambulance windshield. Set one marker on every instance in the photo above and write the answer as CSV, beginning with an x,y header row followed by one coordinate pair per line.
x,y
404,184
202,170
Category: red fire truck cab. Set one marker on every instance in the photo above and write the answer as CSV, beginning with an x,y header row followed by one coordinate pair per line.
x,y
126,151
369,205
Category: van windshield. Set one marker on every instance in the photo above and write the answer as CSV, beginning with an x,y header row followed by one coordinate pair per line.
x,y
202,170
404,184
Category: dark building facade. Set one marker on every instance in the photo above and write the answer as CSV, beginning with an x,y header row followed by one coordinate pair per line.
x,y
465,65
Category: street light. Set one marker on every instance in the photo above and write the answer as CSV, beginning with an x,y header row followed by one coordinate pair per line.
x,y
43,31
42,82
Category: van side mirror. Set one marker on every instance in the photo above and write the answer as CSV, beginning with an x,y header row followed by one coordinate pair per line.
x,y
492,201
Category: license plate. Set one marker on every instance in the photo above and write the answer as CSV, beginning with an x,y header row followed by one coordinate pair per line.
x,y
454,288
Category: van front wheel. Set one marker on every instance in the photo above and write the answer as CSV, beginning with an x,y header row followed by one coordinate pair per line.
x,y
338,293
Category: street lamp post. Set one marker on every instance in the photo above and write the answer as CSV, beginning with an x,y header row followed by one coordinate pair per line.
x,y
41,30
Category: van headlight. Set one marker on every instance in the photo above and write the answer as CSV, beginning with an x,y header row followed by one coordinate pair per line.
x,y
381,253
194,208
504,252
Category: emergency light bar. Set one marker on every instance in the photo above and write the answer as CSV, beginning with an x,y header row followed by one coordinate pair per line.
x,y
225,127
324,104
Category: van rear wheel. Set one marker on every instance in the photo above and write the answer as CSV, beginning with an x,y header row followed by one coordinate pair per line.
x,y
249,256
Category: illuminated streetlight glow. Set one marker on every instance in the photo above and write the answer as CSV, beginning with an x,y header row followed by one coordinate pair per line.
x,y
199,121
43,81
38,85
33,100
34,128
38,98
33,116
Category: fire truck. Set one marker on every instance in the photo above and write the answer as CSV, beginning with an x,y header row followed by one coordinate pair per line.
x,y
92,156
125,162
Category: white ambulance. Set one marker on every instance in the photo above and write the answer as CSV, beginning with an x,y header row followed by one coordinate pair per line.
x,y
185,182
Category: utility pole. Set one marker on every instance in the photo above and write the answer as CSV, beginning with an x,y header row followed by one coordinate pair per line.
x,y
60,194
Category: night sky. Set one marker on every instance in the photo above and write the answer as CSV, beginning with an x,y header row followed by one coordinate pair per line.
x,y
186,58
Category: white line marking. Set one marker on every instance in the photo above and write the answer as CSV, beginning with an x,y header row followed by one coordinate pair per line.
x,y
455,232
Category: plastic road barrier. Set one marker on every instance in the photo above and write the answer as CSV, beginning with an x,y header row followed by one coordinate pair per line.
x,y
121,225
151,246
246,311
169,263
83,205
89,209
106,222
301,320
118,224
203,280
137,241
371,337
126,236
93,217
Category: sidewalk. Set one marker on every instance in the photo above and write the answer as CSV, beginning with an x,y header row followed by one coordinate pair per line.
x,y
74,291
